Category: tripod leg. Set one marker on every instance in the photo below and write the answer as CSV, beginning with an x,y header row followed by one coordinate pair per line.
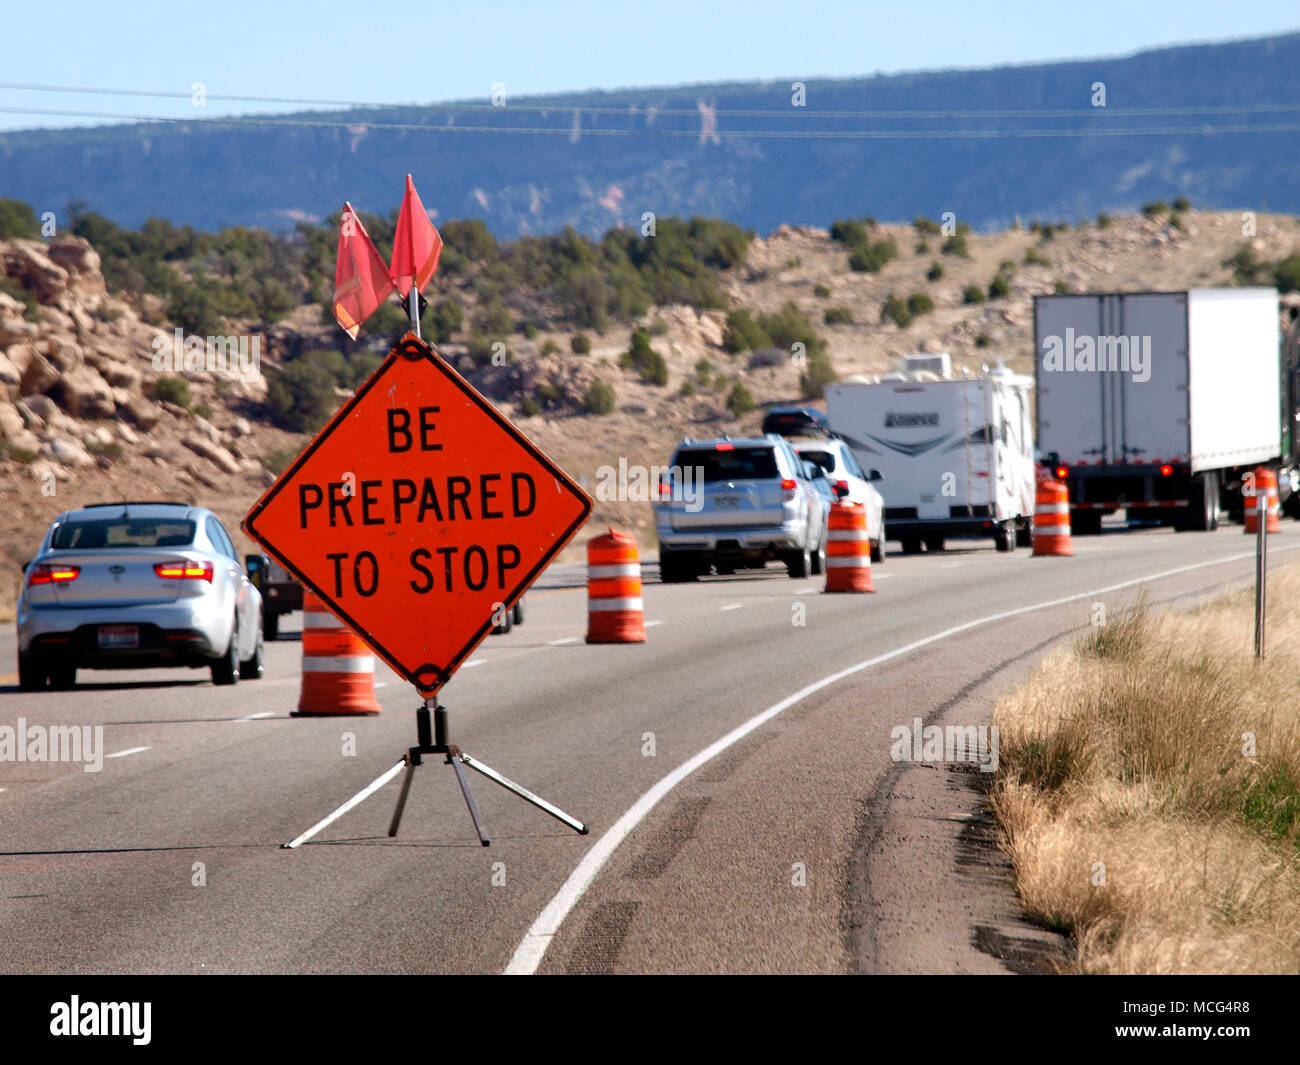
x,y
525,794
455,761
401,799
356,800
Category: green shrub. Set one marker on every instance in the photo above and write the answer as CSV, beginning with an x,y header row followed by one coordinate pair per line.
x,y
821,292
838,316
999,287
895,310
1103,220
1155,208
743,333
1034,257
790,326
493,320
973,294
983,340
580,344
445,320
936,271
203,411
530,331
599,398
18,221
919,303
927,226
549,393
529,407
956,245
301,396
658,327
739,400
688,388
816,376
703,368
648,363
849,231
1286,275
1182,204
871,257
921,247
550,347
1060,287
1007,268
172,390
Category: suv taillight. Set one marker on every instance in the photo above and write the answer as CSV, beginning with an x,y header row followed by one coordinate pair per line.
x,y
45,573
788,488
842,487
180,571
665,490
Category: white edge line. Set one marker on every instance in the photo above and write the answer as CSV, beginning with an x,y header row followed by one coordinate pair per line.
x,y
129,750
532,948
561,642
652,624
732,606
254,717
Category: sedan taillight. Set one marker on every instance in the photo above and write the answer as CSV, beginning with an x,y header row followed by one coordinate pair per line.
x,y
45,573
180,571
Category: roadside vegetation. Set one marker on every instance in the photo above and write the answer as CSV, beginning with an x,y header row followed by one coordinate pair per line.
x,y
1149,789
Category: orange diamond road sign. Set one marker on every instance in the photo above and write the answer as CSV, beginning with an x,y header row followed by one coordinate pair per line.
x,y
419,514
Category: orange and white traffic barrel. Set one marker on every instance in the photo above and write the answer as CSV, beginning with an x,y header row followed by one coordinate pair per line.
x,y
1052,519
848,551
1265,482
615,613
338,670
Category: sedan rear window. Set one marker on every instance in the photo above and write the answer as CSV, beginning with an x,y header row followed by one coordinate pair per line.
x,y
737,464
122,532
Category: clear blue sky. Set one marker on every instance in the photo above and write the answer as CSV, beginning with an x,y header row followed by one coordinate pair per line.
x,y
376,52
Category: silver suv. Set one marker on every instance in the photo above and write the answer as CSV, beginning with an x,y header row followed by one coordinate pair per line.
x,y
738,504
134,585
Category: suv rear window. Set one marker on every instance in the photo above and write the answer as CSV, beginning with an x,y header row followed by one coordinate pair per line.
x,y
738,464
122,532
824,459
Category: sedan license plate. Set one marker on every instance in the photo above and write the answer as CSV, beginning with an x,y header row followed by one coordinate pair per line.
x,y
114,636
727,502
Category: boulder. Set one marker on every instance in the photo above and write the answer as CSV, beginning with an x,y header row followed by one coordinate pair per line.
x,y
140,411
127,433
64,354
9,374
242,427
20,355
27,261
75,255
35,409
120,374
214,453
11,422
84,394
207,429
39,377
67,451
14,328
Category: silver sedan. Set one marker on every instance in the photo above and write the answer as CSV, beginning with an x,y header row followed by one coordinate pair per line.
x,y
137,585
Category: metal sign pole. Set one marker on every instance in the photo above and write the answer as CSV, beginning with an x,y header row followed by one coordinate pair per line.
x,y
1261,570
415,309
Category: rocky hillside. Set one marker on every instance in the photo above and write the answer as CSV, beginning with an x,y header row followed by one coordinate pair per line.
x,y
88,417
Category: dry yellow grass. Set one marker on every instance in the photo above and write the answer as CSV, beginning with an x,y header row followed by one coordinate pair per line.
x,y
1149,790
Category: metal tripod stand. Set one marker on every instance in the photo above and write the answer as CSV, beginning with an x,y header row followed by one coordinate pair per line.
x,y
432,737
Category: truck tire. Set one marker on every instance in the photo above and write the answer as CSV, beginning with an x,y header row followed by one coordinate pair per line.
x,y
798,563
1004,537
1024,533
934,543
517,612
676,567
1202,513
911,545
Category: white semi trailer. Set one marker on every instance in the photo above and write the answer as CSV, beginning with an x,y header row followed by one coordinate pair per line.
x,y
1158,402
955,453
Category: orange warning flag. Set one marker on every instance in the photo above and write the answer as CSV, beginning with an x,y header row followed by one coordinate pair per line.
x,y
361,278
416,245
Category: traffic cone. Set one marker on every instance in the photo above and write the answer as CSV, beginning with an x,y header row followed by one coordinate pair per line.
x,y
1052,519
338,670
848,551
614,608
1266,482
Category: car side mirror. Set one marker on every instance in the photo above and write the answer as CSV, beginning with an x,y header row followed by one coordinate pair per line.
x,y
26,564
875,475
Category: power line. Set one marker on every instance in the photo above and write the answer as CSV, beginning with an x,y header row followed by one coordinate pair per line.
x,y
1203,129
647,108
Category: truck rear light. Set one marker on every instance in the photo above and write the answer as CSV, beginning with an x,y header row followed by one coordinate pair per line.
x,y
1166,470
1062,473
180,571
46,573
